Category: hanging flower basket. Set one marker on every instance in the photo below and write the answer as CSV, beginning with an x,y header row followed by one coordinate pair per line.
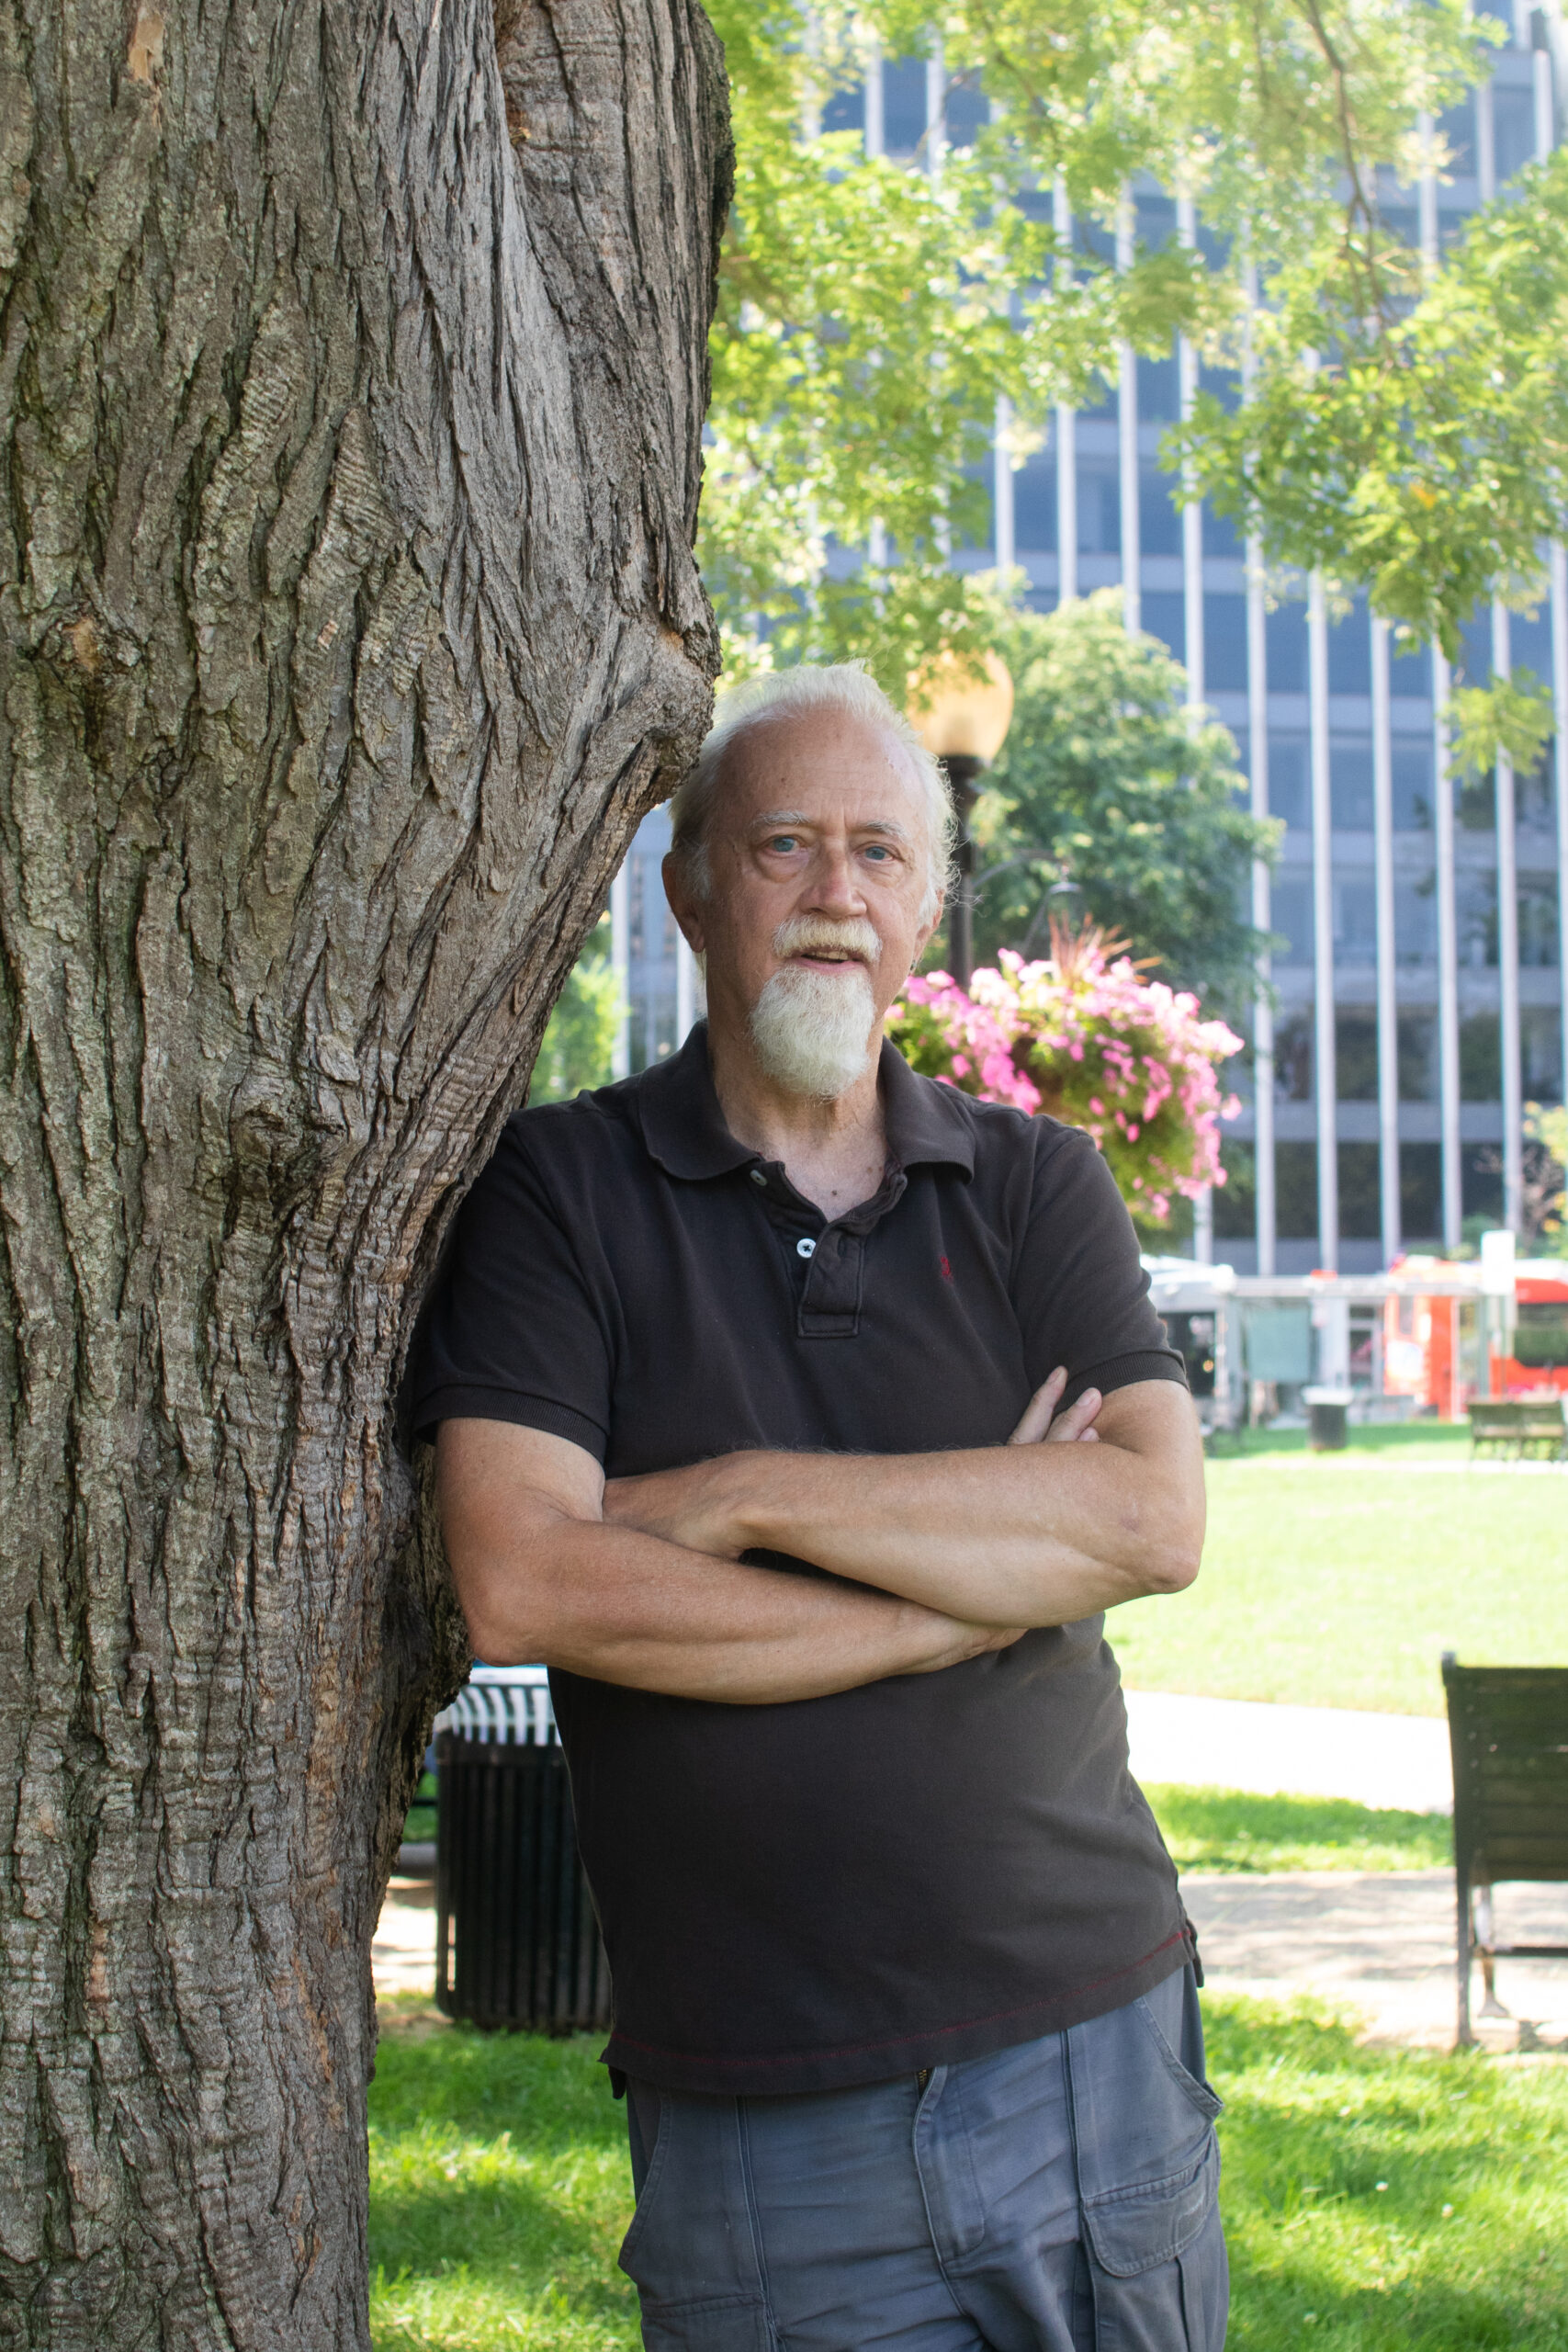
x,y
1087,1038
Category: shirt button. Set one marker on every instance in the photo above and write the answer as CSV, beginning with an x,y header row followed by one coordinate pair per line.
x,y
758,1177
805,1249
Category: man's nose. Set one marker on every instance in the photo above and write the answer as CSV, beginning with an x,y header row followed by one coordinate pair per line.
x,y
834,883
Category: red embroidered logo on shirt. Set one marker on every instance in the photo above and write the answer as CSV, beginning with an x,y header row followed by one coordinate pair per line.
x,y
947,1270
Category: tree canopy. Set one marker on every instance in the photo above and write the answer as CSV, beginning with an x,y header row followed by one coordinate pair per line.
x,y
1403,428
1109,782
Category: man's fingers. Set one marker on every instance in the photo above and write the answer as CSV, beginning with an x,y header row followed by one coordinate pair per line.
x,y
1040,1423
1076,1421
1037,1413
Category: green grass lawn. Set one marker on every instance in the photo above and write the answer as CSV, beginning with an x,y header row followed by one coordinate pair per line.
x,y
1373,2199
500,2191
1228,1829
1339,1580
1397,1442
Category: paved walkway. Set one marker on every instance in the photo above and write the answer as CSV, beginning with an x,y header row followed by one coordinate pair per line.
x,y
402,1952
1398,1760
1382,1943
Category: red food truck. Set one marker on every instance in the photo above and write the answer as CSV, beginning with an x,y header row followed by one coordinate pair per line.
x,y
1433,1338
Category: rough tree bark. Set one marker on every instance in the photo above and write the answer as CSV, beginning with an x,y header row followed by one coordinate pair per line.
x,y
348,623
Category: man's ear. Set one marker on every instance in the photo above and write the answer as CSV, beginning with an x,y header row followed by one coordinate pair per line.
x,y
684,905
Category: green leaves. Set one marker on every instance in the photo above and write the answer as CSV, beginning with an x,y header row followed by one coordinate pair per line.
x,y
1431,458
1107,779
1509,719
579,1044
872,314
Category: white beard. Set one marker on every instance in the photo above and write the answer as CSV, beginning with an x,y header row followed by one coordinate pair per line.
x,y
812,1030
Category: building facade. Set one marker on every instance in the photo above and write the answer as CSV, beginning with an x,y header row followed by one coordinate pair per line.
x,y
1418,999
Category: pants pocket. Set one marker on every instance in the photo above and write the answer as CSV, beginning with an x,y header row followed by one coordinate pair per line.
x,y
691,2251
1177,2035
1133,2230
1158,2262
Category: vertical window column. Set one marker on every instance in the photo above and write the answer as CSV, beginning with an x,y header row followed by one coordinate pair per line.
x,y
1004,538
1443,820
1509,953
875,115
1127,446
1388,1009
1192,513
620,964
1067,431
1192,635
1447,959
1324,1040
936,108
1507,848
1262,912
1485,144
1266,1194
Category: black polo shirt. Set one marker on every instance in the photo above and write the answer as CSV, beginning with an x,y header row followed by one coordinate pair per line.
x,y
934,1866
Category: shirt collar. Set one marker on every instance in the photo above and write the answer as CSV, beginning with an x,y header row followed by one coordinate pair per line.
x,y
926,1122
683,1128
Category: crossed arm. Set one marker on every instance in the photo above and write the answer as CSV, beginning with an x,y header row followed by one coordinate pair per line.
x,y
639,1581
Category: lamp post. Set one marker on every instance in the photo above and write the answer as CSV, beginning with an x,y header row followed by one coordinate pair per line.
x,y
1066,898
962,714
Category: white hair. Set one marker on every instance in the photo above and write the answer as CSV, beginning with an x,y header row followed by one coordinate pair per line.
x,y
798,694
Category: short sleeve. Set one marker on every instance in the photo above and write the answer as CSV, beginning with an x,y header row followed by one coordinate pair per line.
x,y
513,1330
1080,1290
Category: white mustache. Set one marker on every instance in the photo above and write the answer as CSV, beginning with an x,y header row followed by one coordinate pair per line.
x,y
801,934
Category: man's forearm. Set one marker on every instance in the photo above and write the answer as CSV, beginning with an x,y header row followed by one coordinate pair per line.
x,y
626,1608
1036,1538
1031,1534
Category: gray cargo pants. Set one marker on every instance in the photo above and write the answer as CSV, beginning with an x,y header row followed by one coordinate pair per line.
x,y
1058,2197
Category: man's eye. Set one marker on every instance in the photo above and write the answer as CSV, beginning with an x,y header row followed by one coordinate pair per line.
x,y
875,849
784,841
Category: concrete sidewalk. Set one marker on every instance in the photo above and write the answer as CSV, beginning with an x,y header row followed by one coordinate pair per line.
x,y
402,1951
1381,1943
1393,1761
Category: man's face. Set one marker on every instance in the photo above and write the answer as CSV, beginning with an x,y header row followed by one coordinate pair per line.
x,y
818,824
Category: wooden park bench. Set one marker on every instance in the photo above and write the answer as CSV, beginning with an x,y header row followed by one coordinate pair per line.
x,y
1519,1428
1508,1730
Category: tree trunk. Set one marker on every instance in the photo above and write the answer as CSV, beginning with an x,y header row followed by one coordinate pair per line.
x,y
348,623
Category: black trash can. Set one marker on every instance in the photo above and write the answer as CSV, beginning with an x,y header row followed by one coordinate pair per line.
x,y
1328,1416
516,1940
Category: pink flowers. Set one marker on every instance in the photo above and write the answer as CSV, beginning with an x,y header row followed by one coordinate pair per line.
x,y
1090,1041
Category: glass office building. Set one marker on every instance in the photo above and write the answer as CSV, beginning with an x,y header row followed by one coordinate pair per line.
x,y
1419,990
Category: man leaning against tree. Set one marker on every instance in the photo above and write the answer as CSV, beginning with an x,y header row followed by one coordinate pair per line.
x,y
804,1416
